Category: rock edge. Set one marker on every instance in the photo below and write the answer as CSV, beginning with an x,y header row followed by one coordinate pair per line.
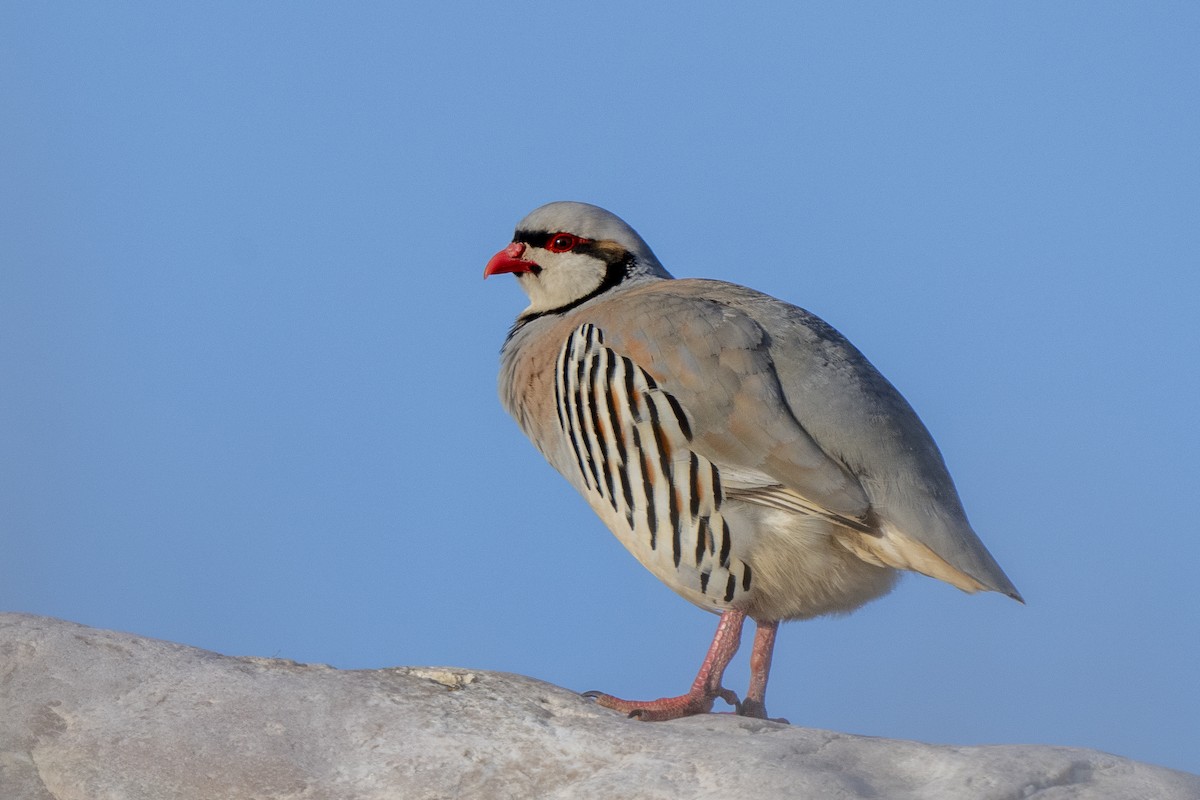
x,y
88,713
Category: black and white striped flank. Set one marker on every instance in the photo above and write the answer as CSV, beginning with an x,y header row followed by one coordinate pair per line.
x,y
632,444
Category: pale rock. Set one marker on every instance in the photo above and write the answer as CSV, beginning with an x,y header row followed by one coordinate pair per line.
x,y
88,714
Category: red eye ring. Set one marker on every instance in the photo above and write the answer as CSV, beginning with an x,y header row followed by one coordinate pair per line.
x,y
563,242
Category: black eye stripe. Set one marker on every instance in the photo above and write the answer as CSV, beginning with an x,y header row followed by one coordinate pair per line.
x,y
533,238
545,239
603,250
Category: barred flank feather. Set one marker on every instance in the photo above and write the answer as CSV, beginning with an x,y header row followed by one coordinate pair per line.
x,y
630,440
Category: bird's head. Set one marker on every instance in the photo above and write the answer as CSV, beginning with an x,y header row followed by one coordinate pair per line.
x,y
566,253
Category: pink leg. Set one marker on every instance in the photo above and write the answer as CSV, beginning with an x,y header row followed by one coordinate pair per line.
x,y
760,669
705,689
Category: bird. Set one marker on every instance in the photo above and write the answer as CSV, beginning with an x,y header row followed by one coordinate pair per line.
x,y
741,448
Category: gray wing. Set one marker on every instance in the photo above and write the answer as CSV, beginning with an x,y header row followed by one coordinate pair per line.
x,y
796,417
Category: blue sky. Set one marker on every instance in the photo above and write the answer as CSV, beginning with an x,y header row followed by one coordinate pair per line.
x,y
248,362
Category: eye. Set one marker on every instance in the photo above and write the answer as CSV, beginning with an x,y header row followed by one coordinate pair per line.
x,y
562,242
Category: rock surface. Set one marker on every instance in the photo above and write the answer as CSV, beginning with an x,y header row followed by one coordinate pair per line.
x,y
94,714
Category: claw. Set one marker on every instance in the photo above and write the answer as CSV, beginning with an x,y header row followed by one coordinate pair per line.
x,y
757,710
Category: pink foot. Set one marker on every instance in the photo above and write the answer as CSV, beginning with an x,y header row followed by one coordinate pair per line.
x,y
756,709
760,669
665,708
705,689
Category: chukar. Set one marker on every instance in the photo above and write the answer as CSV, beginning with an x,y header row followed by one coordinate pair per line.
x,y
741,448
